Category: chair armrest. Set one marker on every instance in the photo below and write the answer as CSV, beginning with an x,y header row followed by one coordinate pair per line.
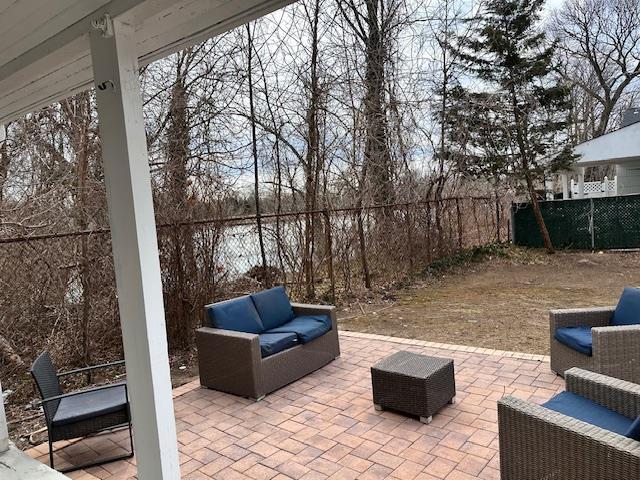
x,y
87,390
593,317
229,361
618,395
90,369
619,340
537,443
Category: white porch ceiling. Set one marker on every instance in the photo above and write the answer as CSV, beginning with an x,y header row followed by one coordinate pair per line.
x,y
44,45
619,146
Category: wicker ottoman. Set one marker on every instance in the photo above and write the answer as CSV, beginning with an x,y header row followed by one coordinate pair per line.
x,y
414,384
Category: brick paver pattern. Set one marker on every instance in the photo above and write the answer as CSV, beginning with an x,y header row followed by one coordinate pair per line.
x,y
324,426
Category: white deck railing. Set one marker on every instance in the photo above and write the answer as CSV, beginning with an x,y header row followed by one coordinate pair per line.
x,y
604,188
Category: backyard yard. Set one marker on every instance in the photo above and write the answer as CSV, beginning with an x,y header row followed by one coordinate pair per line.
x,y
500,301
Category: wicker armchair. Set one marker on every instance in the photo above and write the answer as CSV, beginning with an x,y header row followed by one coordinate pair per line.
x,y
231,362
80,413
616,349
537,443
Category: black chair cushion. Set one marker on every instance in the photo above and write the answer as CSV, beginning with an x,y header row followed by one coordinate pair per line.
x,y
84,406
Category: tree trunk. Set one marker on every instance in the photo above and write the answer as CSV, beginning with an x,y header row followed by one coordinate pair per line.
x,y
180,237
376,155
254,149
312,160
546,238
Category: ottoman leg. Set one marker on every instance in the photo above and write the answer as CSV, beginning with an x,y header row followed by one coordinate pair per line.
x,y
452,401
426,420
378,407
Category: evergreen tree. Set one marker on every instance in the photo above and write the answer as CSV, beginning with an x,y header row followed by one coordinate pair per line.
x,y
516,116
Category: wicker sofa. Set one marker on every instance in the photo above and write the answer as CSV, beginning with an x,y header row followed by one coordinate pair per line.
x,y
236,361
615,349
539,443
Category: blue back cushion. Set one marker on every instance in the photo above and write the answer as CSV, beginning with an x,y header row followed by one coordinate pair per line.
x,y
628,309
589,411
634,430
238,314
273,306
578,338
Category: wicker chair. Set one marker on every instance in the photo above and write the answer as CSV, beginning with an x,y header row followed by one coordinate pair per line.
x,y
537,443
81,413
616,349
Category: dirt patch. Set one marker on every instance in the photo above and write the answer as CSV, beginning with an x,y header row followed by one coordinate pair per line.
x,y
501,302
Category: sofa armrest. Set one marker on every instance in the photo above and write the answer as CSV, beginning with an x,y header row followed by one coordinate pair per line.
x,y
618,395
573,317
229,361
308,309
537,443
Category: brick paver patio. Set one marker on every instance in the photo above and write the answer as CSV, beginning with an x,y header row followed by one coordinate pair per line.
x,y
325,426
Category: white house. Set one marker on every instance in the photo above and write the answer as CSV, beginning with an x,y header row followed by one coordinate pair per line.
x,y
620,149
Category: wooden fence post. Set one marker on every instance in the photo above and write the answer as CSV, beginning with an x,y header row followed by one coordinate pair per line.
x,y
363,250
429,256
328,245
498,206
409,237
460,244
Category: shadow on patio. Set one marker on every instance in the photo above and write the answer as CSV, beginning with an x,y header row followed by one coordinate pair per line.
x,y
325,425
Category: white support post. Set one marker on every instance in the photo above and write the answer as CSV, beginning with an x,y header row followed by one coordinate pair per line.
x,y
4,430
606,186
581,183
565,186
135,248
549,189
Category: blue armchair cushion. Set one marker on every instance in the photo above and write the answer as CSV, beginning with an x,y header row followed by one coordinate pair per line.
x,y
85,406
306,328
273,306
238,314
577,338
271,343
634,430
589,411
628,308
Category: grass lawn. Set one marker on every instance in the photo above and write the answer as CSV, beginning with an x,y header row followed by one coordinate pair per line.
x,y
498,300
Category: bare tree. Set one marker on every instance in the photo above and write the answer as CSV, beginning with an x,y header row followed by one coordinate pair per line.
x,y
601,43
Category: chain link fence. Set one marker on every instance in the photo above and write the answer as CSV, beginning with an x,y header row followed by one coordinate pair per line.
x,y
58,290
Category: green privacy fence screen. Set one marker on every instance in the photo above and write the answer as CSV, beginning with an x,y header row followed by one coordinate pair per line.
x,y
589,223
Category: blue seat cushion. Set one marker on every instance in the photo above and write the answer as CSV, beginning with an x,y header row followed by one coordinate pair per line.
x,y
318,318
239,314
273,306
628,308
577,338
84,406
271,343
588,411
306,328
634,430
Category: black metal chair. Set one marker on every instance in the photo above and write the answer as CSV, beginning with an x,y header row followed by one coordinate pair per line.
x,y
81,413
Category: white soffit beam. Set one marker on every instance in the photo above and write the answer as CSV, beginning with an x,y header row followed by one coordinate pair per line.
x,y
619,146
61,65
